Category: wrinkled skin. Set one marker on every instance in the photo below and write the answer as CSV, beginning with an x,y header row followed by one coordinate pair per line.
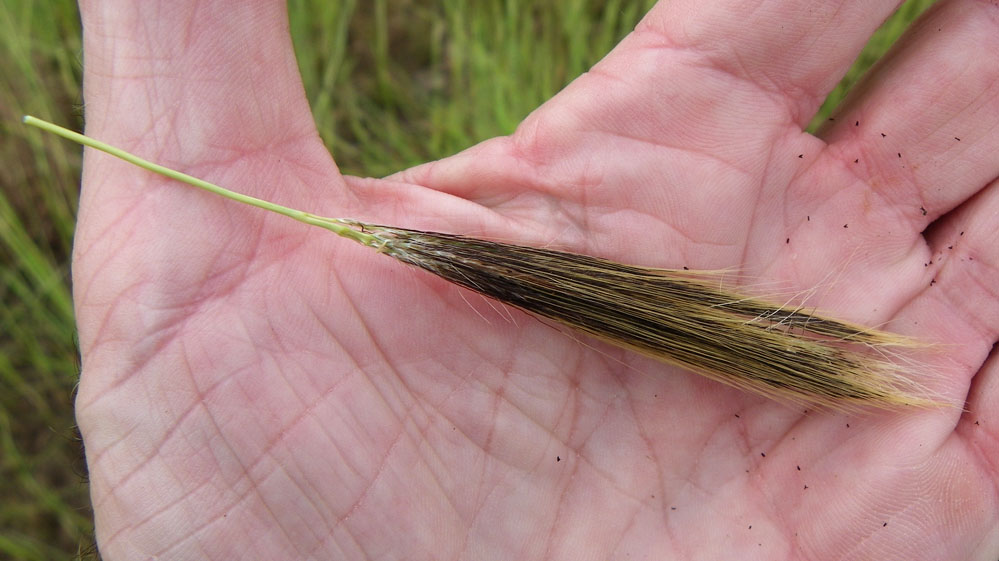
x,y
253,388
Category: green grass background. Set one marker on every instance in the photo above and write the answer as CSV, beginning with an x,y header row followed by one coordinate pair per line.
x,y
391,82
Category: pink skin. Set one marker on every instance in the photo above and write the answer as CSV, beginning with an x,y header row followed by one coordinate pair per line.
x,y
253,388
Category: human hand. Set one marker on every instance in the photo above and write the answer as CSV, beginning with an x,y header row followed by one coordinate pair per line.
x,y
253,388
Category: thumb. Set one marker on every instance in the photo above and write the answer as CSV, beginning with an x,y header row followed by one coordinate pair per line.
x,y
209,87
223,72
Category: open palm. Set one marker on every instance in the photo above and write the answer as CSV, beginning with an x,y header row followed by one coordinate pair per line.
x,y
253,388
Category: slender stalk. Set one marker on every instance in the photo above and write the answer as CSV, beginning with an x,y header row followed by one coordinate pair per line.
x,y
341,227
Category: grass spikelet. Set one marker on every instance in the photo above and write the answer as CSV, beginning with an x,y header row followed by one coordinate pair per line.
x,y
683,318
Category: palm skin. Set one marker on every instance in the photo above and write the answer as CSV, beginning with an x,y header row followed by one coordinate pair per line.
x,y
253,388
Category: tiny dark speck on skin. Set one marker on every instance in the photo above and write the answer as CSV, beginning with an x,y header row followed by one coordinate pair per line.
x,y
883,135
857,161
922,210
799,468
899,154
801,155
846,225
957,139
885,524
558,458
806,486
857,124
764,454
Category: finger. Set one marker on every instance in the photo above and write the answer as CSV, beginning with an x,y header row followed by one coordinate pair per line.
x,y
210,88
659,89
222,73
980,424
959,303
797,51
922,128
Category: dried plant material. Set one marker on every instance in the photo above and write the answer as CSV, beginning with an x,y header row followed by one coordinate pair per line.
x,y
684,318
680,317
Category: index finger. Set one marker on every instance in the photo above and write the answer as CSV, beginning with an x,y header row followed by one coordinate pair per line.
x,y
796,50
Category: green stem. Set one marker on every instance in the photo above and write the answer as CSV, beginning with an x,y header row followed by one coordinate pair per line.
x,y
341,226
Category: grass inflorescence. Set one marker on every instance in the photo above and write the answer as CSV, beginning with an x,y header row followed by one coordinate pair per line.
x,y
685,318
680,317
